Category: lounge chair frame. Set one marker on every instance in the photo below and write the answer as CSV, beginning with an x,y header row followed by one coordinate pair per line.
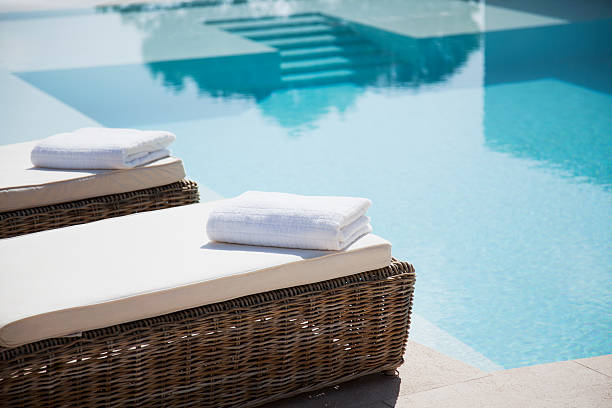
x,y
19,222
239,353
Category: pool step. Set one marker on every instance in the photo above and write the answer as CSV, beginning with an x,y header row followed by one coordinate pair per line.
x,y
314,41
332,76
262,20
295,32
333,63
327,51
318,78
315,49
281,22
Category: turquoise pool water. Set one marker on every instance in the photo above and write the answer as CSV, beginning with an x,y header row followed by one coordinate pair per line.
x,y
487,157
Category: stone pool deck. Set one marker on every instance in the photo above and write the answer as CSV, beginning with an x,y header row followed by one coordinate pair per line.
x,y
431,379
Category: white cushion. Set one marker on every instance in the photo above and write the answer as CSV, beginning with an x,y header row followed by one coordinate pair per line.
x,y
58,282
24,186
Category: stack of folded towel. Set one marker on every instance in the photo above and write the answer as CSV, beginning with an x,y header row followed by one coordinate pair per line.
x,y
288,220
102,148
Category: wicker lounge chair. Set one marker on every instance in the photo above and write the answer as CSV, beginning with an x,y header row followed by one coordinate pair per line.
x,y
166,318
33,199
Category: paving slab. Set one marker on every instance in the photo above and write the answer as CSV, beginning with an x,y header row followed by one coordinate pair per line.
x,y
601,364
563,384
425,368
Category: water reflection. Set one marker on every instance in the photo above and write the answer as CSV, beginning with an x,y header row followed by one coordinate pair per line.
x,y
546,96
313,50
549,96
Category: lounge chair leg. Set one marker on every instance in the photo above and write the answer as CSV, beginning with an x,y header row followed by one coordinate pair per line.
x,y
392,372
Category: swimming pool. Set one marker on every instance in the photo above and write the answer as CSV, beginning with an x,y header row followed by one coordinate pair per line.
x,y
486,152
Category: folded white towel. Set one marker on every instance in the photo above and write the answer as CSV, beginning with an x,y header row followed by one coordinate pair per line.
x,y
101,148
289,220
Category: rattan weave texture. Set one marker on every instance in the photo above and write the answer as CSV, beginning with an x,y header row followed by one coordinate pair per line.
x,y
238,353
19,222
